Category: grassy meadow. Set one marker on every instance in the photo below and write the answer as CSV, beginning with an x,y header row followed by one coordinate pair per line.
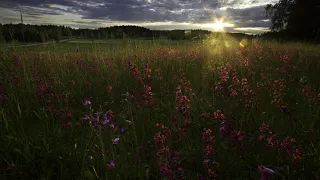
x,y
158,109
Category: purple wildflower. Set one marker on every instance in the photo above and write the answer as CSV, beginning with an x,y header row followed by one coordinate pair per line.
x,y
125,94
128,121
111,164
87,102
268,170
95,124
97,116
116,140
284,109
86,117
265,172
200,177
111,125
104,122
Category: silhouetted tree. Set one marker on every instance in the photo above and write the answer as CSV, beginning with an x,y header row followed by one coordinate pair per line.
x,y
296,18
1,34
57,35
42,37
111,35
98,35
69,33
91,35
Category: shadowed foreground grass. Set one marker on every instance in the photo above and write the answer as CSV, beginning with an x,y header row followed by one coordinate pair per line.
x,y
160,109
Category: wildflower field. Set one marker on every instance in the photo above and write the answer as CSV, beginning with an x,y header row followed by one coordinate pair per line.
x,y
157,109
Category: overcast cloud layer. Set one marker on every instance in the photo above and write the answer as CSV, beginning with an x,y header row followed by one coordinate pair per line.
x,y
246,15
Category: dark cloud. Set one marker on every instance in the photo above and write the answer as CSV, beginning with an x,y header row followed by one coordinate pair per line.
x,y
253,13
137,11
249,17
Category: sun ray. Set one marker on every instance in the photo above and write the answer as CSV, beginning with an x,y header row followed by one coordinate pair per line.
x,y
218,25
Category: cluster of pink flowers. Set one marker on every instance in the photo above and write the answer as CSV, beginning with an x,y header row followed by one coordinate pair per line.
x,y
228,132
87,65
244,62
309,93
205,115
170,165
248,98
209,163
224,72
236,87
143,97
183,105
43,88
307,90
147,95
265,80
287,144
135,72
161,137
171,169
98,119
277,91
147,73
233,91
218,114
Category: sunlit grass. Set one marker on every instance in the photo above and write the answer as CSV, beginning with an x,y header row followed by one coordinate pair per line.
x,y
44,88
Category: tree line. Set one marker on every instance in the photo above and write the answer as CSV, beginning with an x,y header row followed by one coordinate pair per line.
x,y
44,33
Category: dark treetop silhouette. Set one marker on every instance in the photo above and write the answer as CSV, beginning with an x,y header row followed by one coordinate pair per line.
x,y
296,19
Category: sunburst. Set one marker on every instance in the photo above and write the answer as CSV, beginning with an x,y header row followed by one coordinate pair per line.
x,y
218,25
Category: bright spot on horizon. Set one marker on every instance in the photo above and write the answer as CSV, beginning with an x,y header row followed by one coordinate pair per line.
x,y
219,25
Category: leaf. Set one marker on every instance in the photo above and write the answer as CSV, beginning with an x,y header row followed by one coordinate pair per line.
x,y
88,175
5,120
18,151
147,174
19,110
224,145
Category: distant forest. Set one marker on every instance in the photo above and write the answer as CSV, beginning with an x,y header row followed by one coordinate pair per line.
x,y
44,33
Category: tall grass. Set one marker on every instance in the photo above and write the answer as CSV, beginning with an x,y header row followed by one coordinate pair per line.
x,y
160,109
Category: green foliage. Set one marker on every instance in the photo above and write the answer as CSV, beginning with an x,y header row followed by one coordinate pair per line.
x,y
44,135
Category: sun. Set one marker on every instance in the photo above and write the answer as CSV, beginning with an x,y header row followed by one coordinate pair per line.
x,y
218,25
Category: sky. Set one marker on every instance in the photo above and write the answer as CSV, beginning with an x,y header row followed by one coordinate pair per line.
x,y
246,16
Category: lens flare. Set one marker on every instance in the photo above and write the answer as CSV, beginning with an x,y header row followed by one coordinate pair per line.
x,y
243,43
218,25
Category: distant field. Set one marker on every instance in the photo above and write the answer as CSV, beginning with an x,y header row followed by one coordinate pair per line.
x,y
220,108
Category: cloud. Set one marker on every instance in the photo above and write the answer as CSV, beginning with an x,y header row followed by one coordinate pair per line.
x,y
242,13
